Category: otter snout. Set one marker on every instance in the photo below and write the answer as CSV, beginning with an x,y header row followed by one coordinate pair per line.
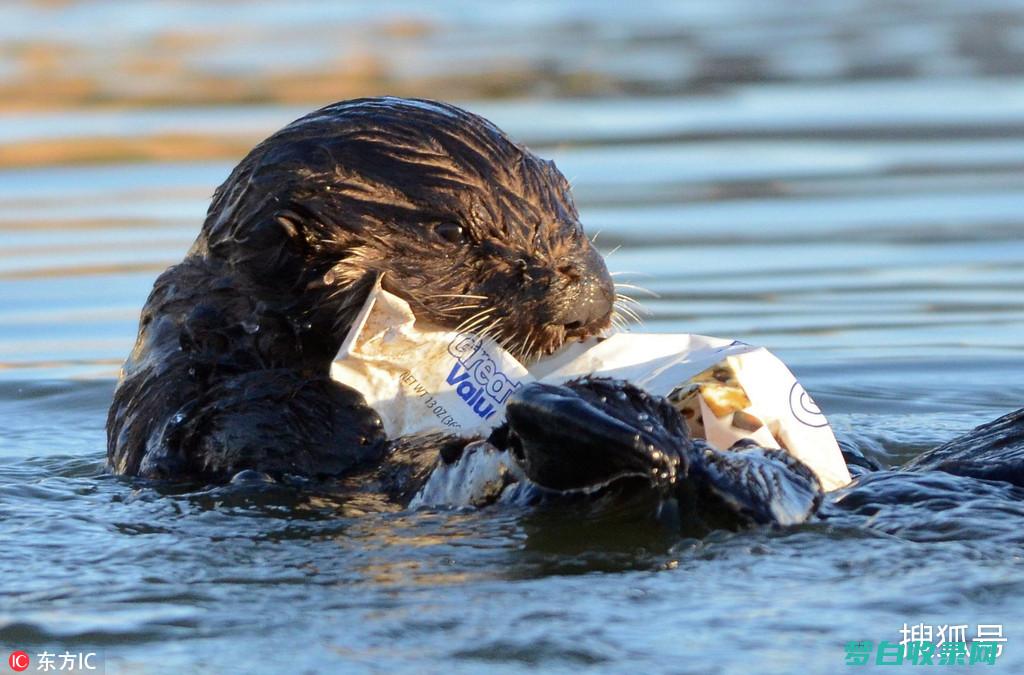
x,y
589,293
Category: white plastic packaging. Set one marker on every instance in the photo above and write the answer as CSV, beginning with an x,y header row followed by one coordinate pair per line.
x,y
420,377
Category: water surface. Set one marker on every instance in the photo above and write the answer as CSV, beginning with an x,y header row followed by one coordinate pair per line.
x,y
841,183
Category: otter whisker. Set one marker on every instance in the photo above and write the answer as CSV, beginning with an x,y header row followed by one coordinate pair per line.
x,y
467,329
451,311
639,289
629,300
506,341
491,337
458,307
501,339
526,340
498,335
474,320
472,327
493,329
523,348
486,332
627,303
624,323
466,296
631,316
632,304
629,313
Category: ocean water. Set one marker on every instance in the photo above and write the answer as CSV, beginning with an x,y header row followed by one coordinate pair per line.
x,y
840,182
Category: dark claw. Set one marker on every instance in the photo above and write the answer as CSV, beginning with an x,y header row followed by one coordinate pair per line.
x,y
591,434
759,485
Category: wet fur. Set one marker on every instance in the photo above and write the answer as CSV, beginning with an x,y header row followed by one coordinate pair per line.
x,y
230,370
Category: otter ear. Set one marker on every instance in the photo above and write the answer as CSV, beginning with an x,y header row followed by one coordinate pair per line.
x,y
271,245
290,222
262,234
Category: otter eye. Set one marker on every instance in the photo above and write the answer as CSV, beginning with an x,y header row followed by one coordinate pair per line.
x,y
451,232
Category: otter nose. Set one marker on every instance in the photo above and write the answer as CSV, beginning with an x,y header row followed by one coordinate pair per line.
x,y
587,312
592,297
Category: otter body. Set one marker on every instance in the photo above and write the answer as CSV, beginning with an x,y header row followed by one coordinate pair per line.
x,y
229,376
230,370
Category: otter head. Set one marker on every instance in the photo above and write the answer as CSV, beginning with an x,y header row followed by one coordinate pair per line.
x,y
472,230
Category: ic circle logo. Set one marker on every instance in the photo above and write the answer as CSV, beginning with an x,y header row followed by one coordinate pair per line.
x,y
804,409
18,661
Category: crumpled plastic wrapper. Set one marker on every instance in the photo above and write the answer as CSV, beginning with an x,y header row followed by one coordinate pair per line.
x,y
420,377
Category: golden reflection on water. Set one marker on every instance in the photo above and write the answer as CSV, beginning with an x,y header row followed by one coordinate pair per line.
x,y
158,148
428,553
82,270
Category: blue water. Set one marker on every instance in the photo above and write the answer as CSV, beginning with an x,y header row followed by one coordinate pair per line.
x,y
841,182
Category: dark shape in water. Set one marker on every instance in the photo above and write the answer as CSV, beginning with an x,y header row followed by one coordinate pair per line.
x,y
994,451
595,432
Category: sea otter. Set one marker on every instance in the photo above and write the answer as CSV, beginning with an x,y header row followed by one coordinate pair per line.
x,y
230,368
229,376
